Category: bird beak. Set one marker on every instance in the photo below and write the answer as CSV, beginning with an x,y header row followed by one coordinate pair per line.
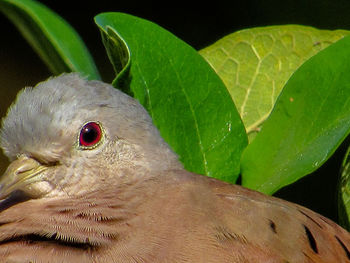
x,y
19,175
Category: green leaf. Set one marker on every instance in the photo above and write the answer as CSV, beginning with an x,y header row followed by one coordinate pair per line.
x,y
309,121
119,54
186,99
344,193
56,42
256,63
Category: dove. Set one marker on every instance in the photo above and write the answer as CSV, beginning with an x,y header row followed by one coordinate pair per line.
x,y
91,180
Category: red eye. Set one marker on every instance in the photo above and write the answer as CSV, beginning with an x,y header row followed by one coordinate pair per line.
x,y
90,134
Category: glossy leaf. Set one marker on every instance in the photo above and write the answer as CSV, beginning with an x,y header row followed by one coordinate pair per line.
x,y
256,63
56,42
186,99
310,120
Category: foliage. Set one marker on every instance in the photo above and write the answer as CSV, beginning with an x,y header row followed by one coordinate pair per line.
x,y
256,63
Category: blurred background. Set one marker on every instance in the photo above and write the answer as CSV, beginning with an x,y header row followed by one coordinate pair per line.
x,y
199,26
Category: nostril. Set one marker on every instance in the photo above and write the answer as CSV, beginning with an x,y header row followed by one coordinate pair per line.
x,y
27,165
22,174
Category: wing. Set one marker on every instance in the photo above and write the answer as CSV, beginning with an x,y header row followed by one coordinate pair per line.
x,y
293,232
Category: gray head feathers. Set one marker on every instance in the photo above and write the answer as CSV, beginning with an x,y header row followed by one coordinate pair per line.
x,y
46,120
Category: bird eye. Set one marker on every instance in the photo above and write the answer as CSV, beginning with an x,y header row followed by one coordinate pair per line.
x,y
90,134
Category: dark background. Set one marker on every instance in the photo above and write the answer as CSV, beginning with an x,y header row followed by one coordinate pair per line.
x,y
198,25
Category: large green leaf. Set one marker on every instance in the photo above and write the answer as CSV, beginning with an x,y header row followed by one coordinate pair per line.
x,y
310,119
56,42
186,99
256,63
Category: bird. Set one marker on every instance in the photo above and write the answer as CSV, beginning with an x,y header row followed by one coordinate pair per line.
x,y
90,179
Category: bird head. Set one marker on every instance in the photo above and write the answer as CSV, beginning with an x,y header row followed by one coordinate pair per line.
x,y
68,135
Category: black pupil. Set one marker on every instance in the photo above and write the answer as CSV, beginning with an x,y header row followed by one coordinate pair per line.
x,y
89,134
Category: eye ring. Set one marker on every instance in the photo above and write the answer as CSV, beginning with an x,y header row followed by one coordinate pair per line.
x,y
90,135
